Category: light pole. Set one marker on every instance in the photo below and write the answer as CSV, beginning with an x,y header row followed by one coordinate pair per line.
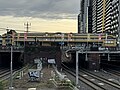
x,y
108,56
77,68
11,67
11,70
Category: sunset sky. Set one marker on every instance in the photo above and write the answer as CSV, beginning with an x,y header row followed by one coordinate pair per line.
x,y
44,15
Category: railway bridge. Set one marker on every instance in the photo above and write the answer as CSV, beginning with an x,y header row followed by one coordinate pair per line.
x,y
28,46
93,59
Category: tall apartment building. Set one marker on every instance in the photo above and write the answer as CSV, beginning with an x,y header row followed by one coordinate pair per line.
x,y
94,16
106,17
115,22
85,17
81,18
98,13
79,24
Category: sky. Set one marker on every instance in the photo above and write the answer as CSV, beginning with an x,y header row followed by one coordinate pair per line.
x,y
44,15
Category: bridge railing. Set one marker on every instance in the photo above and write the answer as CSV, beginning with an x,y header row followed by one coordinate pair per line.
x,y
14,48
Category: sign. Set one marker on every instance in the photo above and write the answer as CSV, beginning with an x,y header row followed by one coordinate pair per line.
x,y
99,36
18,36
51,61
34,73
61,43
88,37
25,36
69,37
106,36
62,36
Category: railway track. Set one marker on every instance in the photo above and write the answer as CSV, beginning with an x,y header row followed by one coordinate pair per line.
x,y
112,71
103,79
88,82
5,73
115,70
93,81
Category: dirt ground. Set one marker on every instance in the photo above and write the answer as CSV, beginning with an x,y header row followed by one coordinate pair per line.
x,y
43,84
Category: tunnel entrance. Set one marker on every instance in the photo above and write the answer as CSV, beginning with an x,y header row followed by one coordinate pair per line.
x,y
91,63
113,61
81,61
95,61
5,58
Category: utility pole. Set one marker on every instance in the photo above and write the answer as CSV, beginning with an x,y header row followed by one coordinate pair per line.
x,y
27,26
77,55
11,64
11,70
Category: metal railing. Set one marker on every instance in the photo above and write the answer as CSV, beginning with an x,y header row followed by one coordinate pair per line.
x,y
8,48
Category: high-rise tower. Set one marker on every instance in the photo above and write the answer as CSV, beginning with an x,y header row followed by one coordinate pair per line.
x,y
85,17
98,13
106,17
115,24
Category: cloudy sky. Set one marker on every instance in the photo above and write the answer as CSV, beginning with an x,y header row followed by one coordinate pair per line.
x,y
44,15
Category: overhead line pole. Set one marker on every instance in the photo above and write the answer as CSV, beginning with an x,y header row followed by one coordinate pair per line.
x,y
11,70
11,66
77,68
27,26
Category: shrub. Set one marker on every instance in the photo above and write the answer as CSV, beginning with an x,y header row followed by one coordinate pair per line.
x,y
1,86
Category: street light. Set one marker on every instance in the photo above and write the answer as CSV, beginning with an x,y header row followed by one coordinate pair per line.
x,y
11,70
11,67
108,56
77,52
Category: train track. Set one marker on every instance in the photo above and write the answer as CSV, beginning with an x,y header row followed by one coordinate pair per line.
x,y
5,74
103,79
88,82
115,71
95,82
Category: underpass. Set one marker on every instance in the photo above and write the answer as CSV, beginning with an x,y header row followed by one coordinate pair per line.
x,y
93,59
5,58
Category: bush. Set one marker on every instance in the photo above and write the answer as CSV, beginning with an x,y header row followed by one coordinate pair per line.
x,y
1,86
